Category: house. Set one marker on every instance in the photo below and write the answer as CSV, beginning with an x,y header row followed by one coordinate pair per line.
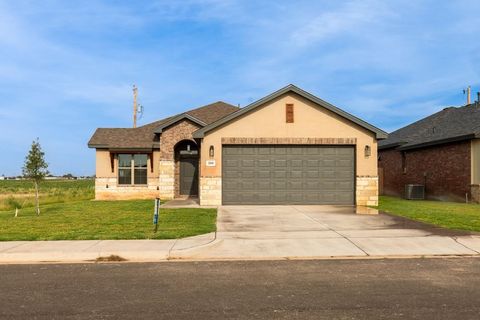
x,y
289,147
441,152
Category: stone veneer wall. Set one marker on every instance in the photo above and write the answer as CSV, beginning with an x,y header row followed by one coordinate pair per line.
x,y
475,193
115,192
210,191
367,191
166,180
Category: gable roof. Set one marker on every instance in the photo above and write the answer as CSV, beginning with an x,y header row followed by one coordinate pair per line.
x,y
143,137
380,134
449,125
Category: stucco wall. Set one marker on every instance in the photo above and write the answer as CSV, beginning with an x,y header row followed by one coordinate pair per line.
x,y
103,165
311,121
475,161
104,169
106,183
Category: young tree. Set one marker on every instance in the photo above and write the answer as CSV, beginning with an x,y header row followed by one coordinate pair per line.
x,y
35,168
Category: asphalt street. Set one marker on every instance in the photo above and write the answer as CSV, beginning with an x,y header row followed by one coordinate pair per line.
x,y
318,289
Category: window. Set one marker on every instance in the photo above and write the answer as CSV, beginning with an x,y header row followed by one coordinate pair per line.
x,y
132,169
289,112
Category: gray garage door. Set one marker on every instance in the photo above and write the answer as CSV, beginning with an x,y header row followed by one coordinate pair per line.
x,y
279,174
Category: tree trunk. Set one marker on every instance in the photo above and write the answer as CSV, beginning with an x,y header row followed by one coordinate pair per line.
x,y
37,203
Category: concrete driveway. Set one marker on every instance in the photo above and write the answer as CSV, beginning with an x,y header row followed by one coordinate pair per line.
x,y
253,232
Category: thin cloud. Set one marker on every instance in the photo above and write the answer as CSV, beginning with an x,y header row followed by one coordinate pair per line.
x,y
67,67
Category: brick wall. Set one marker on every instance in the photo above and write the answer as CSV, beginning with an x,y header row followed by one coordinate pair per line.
x,y
444,170
171,136
170,166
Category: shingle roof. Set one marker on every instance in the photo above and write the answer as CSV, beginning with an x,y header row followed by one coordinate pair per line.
x,y
143,137
450,124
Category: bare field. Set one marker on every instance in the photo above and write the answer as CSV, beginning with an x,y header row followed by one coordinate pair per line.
x,y
21,193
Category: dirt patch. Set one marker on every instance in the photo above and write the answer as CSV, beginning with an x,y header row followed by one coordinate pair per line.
x,y
110,258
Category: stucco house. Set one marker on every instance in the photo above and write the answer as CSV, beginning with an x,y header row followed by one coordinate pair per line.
x,y
441,152
289,147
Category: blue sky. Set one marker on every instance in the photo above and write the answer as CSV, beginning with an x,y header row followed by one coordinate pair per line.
x,y
67,67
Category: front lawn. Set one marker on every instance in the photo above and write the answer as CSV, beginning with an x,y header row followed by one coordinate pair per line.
x,y
82,220
451,215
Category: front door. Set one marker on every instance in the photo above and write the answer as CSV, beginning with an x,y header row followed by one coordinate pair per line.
x,y
189,176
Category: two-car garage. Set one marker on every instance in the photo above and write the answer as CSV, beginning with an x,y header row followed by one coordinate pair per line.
x,y
289,147
288,174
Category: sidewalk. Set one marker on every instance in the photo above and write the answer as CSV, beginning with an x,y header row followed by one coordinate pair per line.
x,y
268,232
244,246
90,250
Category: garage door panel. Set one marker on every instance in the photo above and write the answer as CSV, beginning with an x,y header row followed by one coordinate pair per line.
x,y
263,163
233,150
264,150
262,174
280,163
295,185
279,185
264,197
280,174
248,174
344,174
296,174
231,163
295,197
294,163
231,174
328,174
344,185
288,175
246,163
264,185
313,163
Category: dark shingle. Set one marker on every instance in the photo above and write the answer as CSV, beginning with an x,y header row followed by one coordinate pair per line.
x,y
450,124
143,136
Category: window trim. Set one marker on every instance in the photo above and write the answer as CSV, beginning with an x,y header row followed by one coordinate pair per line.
x,y
132,170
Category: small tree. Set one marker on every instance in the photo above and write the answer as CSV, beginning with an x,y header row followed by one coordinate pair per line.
x,y
35,168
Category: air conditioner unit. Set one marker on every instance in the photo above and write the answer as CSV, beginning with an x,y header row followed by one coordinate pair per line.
x,y
414,192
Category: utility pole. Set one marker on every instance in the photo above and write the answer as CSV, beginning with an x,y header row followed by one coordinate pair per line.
x,y
468,93
135,108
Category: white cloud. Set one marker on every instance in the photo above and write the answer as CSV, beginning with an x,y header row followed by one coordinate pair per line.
x,y
339,21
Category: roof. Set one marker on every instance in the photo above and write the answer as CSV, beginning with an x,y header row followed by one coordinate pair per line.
x,y
143,137
449,125
380,134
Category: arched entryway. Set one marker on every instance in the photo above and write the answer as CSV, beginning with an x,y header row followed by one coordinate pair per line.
x,y
186,169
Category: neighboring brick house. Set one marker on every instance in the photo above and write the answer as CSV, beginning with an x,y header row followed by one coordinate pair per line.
x,y
441,151
288,147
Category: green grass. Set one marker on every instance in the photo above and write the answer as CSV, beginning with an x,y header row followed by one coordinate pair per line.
x,y
451,215
82,220
21,193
